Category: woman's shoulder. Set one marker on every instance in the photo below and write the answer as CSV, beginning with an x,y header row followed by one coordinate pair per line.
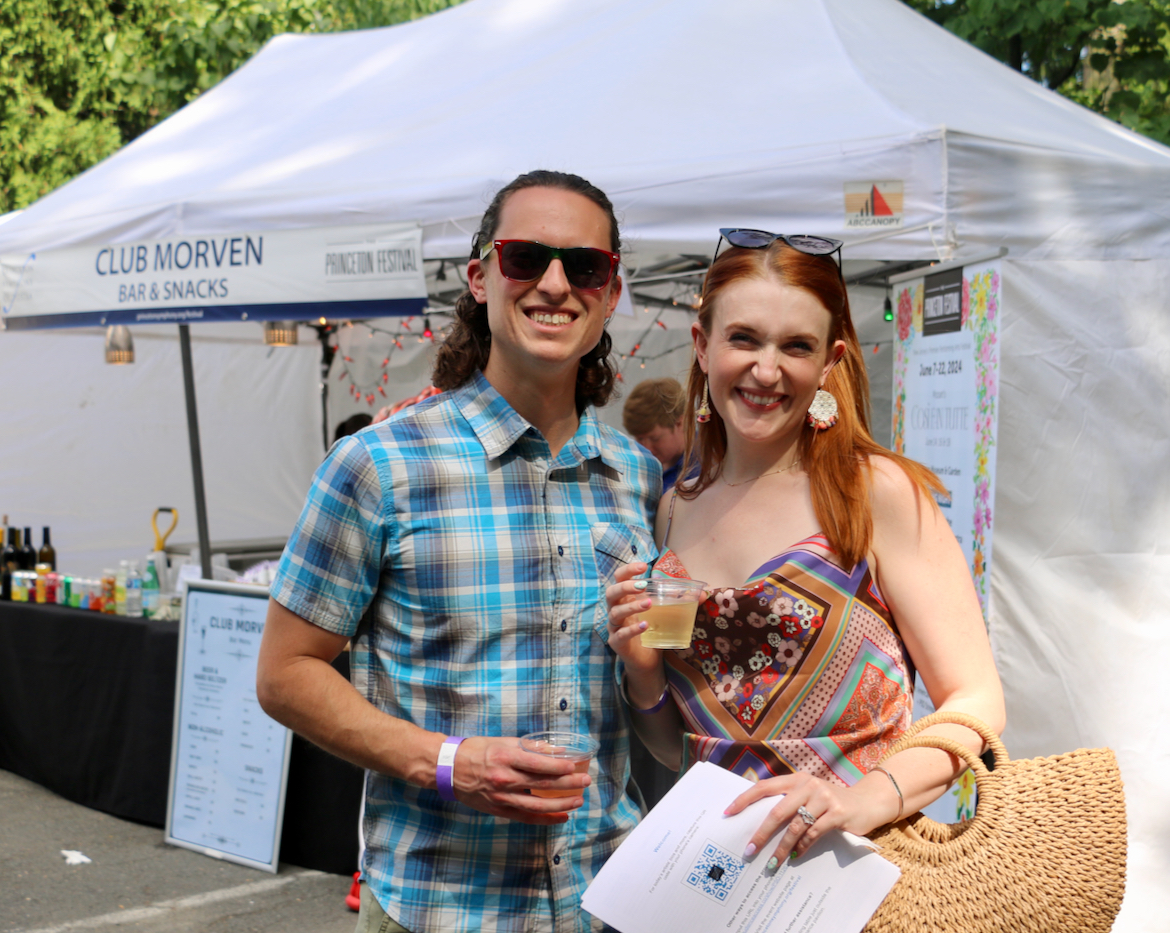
x,y
890,480
897,498
676,502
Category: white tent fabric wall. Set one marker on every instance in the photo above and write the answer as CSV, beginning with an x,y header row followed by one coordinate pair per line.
x,y
92,449
1081,568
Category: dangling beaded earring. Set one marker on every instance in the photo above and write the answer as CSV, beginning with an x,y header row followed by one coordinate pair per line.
x,y
822,413
703,415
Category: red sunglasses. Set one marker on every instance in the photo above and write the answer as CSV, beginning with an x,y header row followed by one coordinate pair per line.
x,y
525,261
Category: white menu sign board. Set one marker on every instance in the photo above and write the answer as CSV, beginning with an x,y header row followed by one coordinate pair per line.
x,y
229,759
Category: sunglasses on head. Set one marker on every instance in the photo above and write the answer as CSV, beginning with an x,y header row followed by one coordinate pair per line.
x,y
526,261
746,238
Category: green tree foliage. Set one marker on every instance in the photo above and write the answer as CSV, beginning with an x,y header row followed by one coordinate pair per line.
x,y
1112,56
81,78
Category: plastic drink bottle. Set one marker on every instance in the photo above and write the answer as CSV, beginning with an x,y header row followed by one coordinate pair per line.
x,y
134,591
108,599
150,589
120,588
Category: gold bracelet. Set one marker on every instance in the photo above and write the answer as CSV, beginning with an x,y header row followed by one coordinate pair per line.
x,y
897,790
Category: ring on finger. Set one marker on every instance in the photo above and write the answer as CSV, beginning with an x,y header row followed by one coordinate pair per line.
x,y
805,814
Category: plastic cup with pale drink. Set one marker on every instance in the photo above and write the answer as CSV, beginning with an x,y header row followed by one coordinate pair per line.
x,y
567,746
670,620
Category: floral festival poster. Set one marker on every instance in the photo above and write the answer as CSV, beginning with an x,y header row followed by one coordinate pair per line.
x,y
946,386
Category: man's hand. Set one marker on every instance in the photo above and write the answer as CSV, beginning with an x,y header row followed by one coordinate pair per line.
x,y
297,686
494,775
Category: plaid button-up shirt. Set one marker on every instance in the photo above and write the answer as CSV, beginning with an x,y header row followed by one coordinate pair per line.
x,y
469,566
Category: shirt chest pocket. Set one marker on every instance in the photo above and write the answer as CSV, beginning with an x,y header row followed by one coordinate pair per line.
x,y
614,545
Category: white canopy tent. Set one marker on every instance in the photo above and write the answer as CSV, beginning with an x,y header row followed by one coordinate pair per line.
x,y
694,115
688,113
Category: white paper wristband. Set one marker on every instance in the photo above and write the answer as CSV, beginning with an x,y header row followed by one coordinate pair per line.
x,y
445,772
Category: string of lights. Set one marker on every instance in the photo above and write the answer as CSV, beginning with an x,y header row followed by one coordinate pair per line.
x,y
638,343
369,392
689,303
363,390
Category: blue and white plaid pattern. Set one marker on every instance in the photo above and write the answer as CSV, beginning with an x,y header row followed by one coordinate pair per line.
x,y
469,568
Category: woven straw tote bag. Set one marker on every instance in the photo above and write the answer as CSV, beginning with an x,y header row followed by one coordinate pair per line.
x,y
1045,851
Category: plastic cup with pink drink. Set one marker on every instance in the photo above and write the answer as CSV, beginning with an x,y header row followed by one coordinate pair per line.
x,y
567,746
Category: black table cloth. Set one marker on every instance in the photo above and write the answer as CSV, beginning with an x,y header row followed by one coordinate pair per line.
x,y
87,710
87,707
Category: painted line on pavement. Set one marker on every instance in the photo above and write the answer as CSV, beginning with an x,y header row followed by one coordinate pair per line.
x,y
134,914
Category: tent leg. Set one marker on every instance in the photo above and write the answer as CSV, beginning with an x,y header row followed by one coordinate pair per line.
x,y
325,406
323,332
196,452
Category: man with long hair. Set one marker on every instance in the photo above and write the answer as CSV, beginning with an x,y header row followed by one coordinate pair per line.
x,y
463,545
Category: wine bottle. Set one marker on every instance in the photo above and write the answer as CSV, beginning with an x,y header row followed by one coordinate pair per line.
x,y
9,562
10,556
28,553
47,555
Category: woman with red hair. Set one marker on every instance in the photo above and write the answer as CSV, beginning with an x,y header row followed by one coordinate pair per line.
x,y
832,573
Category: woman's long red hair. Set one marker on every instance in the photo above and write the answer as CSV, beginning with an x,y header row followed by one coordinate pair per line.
x,y
837,459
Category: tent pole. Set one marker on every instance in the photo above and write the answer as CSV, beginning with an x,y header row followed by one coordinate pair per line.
x,y
325,408
196,453
327,351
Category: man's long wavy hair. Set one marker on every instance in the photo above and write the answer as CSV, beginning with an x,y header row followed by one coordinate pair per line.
x,y
837,459
469,343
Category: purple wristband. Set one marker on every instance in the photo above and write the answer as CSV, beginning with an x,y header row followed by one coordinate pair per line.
x,y
445,772
653,709
657,706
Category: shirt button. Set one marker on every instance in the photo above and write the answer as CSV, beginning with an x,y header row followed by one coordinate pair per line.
x,y
564,624
634,548
564,704
560,550
556,860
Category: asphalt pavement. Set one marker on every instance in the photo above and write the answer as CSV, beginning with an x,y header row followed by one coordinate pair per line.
x,y
135,881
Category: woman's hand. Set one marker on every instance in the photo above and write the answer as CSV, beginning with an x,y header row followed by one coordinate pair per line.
x,y
866,805
643,665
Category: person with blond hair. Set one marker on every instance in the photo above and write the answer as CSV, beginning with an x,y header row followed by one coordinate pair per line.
x,y
652,415
832,574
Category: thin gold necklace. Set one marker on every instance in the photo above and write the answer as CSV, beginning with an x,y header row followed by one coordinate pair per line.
x,y
790,466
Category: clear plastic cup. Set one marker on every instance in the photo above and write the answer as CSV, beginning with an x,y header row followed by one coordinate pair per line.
x,y
569,746
671,618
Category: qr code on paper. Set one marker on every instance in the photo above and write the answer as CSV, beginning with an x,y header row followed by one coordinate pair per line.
x,y
715,872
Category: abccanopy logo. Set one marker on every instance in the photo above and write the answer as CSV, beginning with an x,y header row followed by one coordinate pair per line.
x,y
873,204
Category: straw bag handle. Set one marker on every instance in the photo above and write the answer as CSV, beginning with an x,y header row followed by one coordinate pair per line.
x,y
911,739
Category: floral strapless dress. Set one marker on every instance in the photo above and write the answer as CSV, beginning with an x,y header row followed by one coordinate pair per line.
x,y
800,669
